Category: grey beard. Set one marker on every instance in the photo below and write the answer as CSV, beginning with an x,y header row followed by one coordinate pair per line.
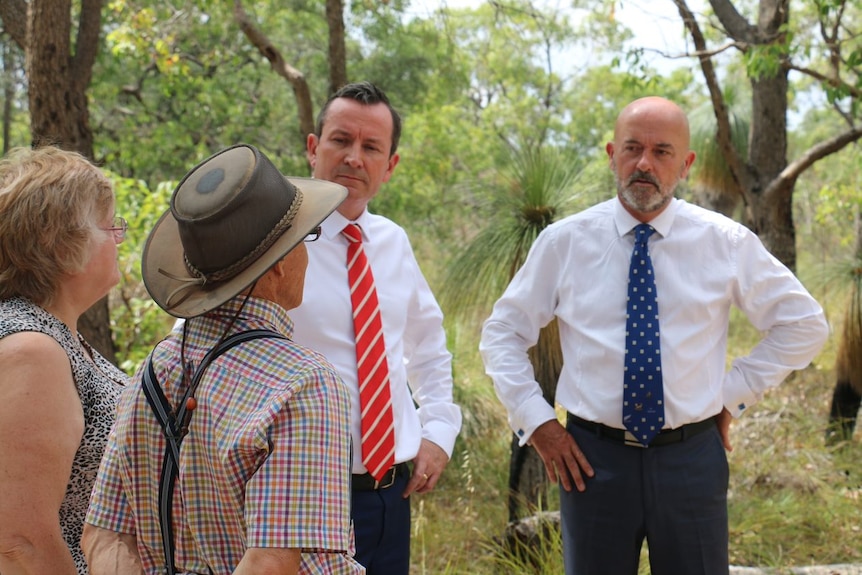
x,y
644,202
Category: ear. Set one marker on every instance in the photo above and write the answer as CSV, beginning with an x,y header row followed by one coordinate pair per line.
x,y
311,150
393,161
278,270
609,148
686,165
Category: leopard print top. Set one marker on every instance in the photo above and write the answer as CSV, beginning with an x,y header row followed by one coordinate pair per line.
x,y
99,384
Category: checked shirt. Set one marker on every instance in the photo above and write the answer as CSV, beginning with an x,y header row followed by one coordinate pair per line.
x,y
266,462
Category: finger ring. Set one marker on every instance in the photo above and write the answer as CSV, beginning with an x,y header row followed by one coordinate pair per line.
x,y
425,475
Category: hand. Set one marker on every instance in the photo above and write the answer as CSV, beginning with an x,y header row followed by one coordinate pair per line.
x,y
560,453
428,466
722,421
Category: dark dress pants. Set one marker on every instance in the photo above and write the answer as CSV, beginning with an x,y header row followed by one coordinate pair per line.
x,y
381,524
673,495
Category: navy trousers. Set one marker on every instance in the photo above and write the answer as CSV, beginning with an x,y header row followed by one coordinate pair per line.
x,y
674,496
381,524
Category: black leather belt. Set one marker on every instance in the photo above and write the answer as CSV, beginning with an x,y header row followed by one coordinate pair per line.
x,y
365,482
665,437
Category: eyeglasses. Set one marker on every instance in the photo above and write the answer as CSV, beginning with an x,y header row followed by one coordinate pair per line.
x,y
313,235
119,225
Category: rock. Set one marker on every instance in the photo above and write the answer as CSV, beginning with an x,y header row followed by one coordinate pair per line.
x,y
843,569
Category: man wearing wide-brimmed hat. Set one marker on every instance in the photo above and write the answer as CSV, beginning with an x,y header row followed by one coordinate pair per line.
x,y
232,452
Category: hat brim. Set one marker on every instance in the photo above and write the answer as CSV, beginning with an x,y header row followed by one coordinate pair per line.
x,y
164,270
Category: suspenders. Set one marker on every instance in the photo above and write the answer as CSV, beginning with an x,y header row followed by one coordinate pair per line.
x,y
175,428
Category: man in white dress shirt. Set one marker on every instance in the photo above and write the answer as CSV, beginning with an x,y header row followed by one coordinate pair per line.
x,y
616,491
354,144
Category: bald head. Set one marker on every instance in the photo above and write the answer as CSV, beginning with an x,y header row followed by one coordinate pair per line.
x,y
655,111
650,154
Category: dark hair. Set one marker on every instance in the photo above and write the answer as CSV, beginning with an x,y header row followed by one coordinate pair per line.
x,y
366,94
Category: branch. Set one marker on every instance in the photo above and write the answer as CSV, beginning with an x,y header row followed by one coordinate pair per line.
x,y
723,134
136,90
14,16
735,25
812,155
87,43
716,51
835,82
280,67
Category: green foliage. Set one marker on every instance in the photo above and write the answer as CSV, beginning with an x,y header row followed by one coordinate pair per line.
x,y
187,83
828,196
538,188
710,170
837,58
12,80
136,321
765,60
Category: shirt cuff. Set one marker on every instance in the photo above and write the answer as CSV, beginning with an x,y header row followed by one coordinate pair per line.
x,y
440,434
736,394
529,416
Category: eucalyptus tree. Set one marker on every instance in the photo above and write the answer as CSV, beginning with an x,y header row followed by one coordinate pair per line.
x,y
59,59
822,43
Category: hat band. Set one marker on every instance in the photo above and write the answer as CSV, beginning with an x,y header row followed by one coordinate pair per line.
x,y
201,279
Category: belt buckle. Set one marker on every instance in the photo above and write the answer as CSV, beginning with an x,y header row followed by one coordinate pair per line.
x,y
381,485
631,441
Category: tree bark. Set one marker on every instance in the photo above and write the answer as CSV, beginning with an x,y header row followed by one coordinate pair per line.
x,y
10,64
770,216
337,49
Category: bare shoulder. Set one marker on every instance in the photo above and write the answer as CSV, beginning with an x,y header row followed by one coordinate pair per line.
x,y
30,350
35,371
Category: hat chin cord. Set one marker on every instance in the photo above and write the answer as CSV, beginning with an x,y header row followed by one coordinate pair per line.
x,y
186,283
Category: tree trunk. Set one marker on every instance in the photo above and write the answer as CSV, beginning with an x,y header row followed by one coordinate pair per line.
x,y
58,106
770,216
337,47
9,65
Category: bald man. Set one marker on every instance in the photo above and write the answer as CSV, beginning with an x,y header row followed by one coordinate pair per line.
x,y
642,453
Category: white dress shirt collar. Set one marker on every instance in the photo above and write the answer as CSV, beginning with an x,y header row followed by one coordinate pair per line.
x,y
335,223
662,223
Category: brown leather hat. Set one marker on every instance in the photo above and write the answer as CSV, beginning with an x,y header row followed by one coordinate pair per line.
x,y
232,217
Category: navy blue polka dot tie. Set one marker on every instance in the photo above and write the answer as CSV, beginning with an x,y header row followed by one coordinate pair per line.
x,y
643,396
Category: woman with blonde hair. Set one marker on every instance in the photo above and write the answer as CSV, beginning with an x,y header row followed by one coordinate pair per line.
x,y
58,256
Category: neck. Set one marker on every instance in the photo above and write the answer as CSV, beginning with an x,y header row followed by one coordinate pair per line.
x,y
62,309
352,211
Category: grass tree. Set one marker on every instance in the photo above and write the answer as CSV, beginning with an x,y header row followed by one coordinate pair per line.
x,y
711,180
537,189
847,396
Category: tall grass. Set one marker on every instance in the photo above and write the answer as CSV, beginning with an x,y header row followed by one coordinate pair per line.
x,y
792,500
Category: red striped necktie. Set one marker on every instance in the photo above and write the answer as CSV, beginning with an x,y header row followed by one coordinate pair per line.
x,y
375,398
